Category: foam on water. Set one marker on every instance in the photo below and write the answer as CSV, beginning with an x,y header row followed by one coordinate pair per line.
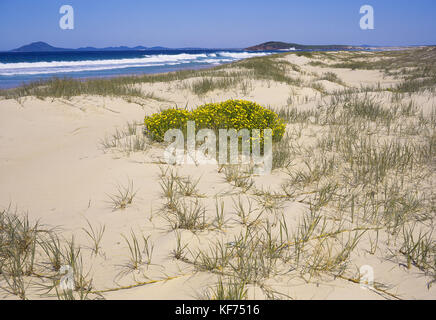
x,y
55,67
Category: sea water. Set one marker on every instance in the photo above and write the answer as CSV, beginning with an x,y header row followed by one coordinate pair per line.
x,y
17,68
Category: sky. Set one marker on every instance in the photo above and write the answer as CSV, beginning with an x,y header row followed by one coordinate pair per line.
x,y
216,24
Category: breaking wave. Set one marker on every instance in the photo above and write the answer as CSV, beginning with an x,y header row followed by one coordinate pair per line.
x,y
54,67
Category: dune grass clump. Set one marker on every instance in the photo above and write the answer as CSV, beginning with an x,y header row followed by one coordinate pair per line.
x,y
124,196
234,290
128,139
139,255
18,241
68,88
332,77
270,68
188,215
33,259
231,114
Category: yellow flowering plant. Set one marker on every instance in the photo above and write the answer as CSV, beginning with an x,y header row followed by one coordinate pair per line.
x,y
231,114
159,123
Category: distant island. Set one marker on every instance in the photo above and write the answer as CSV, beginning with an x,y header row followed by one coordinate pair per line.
x,y
277,45
267,46
45,47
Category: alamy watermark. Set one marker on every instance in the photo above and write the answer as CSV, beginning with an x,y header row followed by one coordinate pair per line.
x,y
67,20
367,20
366,277
67,280
206,153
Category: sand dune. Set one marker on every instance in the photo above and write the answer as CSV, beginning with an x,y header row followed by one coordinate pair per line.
x,y
54,167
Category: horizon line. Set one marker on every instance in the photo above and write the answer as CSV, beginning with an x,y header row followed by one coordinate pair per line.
x,y
211,48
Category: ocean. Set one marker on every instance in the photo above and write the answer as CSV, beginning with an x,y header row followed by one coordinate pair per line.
x,y
17,68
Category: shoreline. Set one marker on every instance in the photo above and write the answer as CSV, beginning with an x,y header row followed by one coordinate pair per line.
x,y
181,68
11,81
109,77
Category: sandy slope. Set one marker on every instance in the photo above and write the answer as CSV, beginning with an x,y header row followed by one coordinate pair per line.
x,y
53,167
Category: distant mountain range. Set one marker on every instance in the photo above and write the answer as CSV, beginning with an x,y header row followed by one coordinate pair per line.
x,y
267,46
45,47
277,45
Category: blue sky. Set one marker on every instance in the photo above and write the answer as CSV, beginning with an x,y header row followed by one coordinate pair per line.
x,y
224,23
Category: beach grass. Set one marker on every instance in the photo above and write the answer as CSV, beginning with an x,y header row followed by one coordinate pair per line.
x,y
355,174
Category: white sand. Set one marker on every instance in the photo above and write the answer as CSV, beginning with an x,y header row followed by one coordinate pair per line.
x,y
52,166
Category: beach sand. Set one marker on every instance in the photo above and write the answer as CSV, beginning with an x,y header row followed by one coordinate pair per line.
x,y
54,168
